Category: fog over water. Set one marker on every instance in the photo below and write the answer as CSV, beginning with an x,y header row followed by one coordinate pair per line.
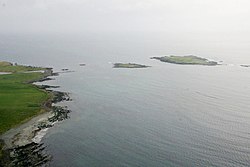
x,y
178,16
222,23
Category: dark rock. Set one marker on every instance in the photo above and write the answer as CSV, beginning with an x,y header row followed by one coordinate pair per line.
x,y
60,114
32,154
47,86
4,154
245,65
60,96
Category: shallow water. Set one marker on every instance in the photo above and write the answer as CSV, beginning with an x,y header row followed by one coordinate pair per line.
x,y
166,115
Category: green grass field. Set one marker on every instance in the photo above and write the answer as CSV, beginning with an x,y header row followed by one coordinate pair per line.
x,y
19,101
8,67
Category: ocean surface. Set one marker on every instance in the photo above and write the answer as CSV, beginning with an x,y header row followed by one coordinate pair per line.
x,y
165,115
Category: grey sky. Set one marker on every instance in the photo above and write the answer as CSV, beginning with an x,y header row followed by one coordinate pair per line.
x,y
125,15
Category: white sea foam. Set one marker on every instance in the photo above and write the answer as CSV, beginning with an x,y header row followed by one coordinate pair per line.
x,y
40,135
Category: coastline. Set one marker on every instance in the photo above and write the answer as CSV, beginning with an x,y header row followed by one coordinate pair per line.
x,y
25,131
24,140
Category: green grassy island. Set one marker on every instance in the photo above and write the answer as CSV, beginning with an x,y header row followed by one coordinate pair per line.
x,y
19,99
186,60
129,65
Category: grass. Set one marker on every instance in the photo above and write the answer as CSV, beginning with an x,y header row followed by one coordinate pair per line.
x,y
4,63
8,67
191,60
19,100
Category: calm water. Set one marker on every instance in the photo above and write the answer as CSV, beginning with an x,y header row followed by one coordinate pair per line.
x,y
166,115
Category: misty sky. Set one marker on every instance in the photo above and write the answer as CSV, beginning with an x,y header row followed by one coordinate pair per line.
x,y
230,16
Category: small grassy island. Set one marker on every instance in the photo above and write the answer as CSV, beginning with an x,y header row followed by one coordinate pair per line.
x,y
129,65
186,60
20,100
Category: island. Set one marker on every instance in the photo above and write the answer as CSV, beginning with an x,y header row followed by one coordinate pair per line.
x,y
129,65
244,65
186,60
21,103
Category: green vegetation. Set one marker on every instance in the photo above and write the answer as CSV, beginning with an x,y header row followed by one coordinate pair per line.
x,y
129,65
9,67
19,100
189,60
4,63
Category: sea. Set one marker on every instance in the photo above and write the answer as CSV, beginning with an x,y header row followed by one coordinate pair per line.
x,y
164,115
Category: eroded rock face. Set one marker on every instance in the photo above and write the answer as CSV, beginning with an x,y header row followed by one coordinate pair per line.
x,y
32,154
4,154
60,96
60,114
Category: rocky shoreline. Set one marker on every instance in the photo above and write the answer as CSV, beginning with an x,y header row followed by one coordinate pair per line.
x,y
22,145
